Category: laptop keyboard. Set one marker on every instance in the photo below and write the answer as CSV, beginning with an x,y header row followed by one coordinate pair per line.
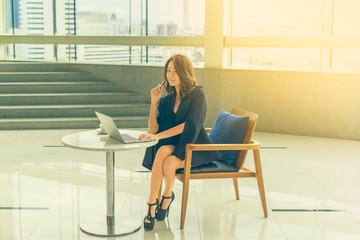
x,y
129,138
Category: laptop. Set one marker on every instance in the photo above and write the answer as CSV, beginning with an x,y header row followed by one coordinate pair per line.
x,y
113,131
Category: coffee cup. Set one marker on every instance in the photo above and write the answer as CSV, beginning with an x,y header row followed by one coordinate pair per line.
x,y
102,127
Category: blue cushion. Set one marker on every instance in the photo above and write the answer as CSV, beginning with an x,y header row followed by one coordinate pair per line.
x,y
228,128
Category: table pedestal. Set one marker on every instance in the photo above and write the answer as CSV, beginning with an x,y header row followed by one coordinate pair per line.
x,y
121,226
110,227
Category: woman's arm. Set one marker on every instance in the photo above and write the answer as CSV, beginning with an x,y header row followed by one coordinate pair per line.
x,y
155,97
165,134
171,132
153,124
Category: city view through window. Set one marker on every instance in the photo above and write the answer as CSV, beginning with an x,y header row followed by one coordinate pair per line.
x,y
256,18
105,18
293,18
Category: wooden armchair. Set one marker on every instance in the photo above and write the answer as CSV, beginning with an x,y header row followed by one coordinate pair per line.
x,y
238,169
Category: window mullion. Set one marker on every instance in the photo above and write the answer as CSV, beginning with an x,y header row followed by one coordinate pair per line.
x,y
327,29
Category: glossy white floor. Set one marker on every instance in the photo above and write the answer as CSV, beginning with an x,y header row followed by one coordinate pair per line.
x,y
47,190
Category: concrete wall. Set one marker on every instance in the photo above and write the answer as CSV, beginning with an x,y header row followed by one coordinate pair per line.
x,y
301,103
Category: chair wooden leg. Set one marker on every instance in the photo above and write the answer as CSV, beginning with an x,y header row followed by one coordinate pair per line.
x,y
187,167
260,180
159,193
236,186
184,202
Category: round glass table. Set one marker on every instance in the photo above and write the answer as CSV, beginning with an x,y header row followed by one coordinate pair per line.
x,y
93,141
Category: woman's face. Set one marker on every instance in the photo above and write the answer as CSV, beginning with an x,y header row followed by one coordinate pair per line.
x,y
172,76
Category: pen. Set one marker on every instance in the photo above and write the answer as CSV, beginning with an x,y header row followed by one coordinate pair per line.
x,y
163,82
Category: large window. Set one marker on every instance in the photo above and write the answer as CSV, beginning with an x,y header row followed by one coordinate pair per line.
x,y
292,18
346,18
270,23
105,18
29,17
278,17
277,58
176,17
346,24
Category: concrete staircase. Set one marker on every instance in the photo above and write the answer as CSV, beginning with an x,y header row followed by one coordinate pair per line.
x,y
64,100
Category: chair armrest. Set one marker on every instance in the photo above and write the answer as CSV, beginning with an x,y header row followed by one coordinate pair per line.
x,y
253,145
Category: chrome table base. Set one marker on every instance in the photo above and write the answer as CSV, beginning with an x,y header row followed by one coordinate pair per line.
x,y
109,226
122,226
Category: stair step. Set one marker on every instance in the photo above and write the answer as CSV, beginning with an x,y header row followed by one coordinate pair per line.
x,y
69,98
64,100
56,87
53,111
45,76
70,123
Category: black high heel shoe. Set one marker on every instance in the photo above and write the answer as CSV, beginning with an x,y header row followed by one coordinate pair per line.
x,y
162,213
150,225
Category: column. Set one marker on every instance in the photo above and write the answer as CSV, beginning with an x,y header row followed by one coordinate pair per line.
x,y
217,24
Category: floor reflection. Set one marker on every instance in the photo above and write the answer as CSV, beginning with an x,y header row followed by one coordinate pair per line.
x,y
46,192
162,231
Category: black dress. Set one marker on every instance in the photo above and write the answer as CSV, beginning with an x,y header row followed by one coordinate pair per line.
x,y
192,111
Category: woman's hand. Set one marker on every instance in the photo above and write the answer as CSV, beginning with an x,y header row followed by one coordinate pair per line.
x,y
156,93
148,136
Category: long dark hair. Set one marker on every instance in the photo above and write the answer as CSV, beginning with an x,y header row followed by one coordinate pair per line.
x,y
185,70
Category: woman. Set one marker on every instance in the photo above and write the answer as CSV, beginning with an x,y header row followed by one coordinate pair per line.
x,y
179,121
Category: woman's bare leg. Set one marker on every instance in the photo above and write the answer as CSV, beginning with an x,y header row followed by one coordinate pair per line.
x,y
157,173
170,165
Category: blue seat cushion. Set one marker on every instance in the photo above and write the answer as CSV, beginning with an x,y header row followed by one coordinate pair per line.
x,y
211,167
228,128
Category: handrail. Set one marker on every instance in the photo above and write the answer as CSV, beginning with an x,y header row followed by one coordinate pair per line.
x,y
298,42
190,41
